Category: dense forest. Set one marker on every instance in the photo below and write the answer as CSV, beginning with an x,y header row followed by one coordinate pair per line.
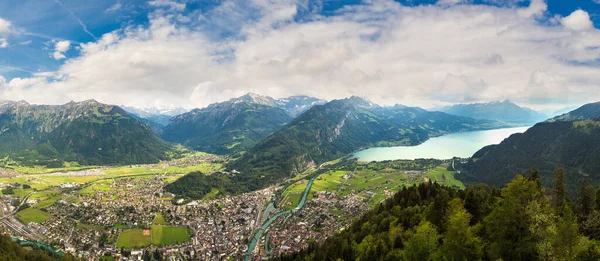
x,y
12,251
428,221
574,145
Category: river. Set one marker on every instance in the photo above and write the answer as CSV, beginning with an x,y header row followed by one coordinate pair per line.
x,y
462,144
262,229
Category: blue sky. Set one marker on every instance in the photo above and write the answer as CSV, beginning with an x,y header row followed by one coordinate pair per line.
x,y
225,29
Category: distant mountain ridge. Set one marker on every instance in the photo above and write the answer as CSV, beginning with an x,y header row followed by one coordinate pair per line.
x,y
587,111
571,140
505,111
335,129
234,125
88,132
157,118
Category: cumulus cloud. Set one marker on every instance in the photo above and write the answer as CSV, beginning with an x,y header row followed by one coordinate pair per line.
x,y
422,55
578,21
536,8
5,26
60,48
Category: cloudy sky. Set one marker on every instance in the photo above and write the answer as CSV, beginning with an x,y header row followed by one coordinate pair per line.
x,y
189,53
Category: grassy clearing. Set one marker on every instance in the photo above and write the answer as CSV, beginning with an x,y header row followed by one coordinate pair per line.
x,y
159,220
166,235
72,179
33,214
49,201
99,186
133,238
443,176
159,236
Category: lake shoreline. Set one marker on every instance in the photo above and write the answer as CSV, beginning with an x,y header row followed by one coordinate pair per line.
x,y
474,139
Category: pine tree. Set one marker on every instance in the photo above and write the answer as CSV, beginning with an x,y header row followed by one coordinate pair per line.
x,y
460,242
534,175
507,227
423,243
559,196
597,207
586,201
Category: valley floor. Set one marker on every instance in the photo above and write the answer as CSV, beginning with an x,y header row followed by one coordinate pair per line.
x,y
90,212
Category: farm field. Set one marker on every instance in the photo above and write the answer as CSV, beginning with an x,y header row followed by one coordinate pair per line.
x,y
167,235
368,183
133,238
159,236
33,214
443,176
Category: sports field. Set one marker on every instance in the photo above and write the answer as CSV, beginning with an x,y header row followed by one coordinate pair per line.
x,y
158,236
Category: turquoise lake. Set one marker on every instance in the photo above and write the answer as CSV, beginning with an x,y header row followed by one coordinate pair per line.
x,y
462,144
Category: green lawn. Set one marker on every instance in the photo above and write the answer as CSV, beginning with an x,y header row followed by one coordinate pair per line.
x,y
47,202
166,235
443,176
99,186
33,214
133,238
159,220
160,236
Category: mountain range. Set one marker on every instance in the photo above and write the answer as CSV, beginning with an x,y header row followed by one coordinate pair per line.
x,y
234,125
335,129
505,111
87,132
571,140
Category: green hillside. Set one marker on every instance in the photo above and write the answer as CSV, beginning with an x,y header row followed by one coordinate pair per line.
x,y
575,145
225,128
88,132
330,131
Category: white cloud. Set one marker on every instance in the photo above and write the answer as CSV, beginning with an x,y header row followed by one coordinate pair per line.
x,y
27,42
3,43
173,5
451,2
58,55
578,20
114,8
390,53
5,26
536,8
60,48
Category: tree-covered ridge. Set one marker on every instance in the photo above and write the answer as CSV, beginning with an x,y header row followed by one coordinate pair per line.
x,y
572,144
587,111
12,251
433,222
225,128
87,132
330,131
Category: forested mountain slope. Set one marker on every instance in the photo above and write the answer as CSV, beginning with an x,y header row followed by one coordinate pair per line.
x,y
88,132
326,132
